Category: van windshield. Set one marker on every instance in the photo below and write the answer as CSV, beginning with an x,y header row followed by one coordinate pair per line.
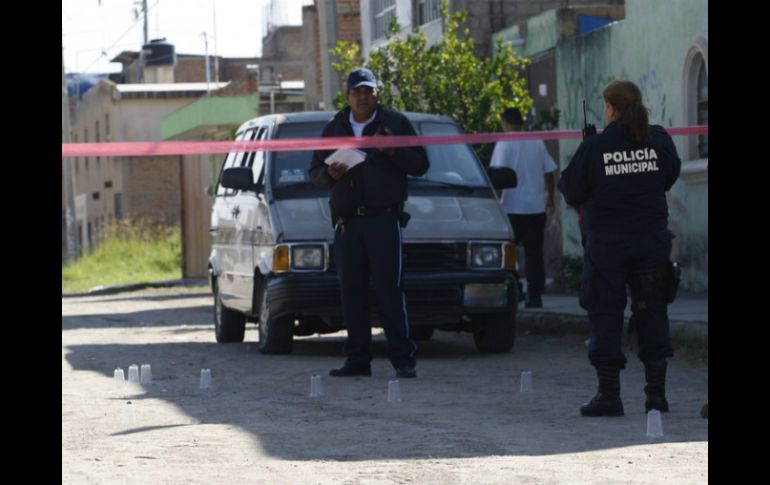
x,y
454,169
450,165
290,169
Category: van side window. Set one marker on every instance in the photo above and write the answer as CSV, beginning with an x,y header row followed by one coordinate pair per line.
x,y
243,159
228,162
257,161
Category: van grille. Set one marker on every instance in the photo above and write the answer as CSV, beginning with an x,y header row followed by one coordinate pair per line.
x,y
423,257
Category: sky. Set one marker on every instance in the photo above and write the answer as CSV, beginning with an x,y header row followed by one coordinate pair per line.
x,y
95,31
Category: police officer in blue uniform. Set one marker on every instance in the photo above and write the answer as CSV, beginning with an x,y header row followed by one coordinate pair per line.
x,y
366,203
619,180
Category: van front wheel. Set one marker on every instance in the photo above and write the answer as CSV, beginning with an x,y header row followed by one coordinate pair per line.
x,y
229,325
275,334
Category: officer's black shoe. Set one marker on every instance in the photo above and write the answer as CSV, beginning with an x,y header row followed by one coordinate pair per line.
x,y
534,301
406,371
348,370
656,402
603,404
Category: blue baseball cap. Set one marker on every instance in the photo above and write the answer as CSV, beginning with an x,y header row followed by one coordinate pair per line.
x,y
361,77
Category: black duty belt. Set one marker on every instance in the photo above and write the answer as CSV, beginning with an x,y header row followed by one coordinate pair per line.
x,y
374,211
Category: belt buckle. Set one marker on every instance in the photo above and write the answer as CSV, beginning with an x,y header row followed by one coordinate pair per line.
x,y
361,211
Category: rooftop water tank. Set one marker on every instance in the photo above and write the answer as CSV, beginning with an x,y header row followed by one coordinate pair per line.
x,y
159,53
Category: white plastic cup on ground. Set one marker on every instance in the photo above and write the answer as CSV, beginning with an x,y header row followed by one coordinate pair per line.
x,y
316,389
119,378
145,376
526,381
129,414
654,424
394,391
133,374
205,379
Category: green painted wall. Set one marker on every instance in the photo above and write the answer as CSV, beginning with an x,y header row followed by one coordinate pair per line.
x,y
648,47
209,112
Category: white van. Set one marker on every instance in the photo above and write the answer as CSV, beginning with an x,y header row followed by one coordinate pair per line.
x,y
272,262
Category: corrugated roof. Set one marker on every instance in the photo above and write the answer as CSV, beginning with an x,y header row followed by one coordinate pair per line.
x,y
168,87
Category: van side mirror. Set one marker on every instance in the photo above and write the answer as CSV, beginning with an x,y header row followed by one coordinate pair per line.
x,y
502,177
239,178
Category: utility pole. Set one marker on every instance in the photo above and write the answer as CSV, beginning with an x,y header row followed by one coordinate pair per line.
x,y
216,55
327,22
208,71
68,172
144,11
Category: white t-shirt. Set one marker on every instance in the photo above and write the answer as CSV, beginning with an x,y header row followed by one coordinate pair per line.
x,y
358,128
531,161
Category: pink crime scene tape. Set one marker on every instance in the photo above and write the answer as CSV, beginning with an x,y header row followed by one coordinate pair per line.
x,y
168,148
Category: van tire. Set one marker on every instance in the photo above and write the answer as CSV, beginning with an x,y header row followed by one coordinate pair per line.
x,y
496,332
229,325
275,334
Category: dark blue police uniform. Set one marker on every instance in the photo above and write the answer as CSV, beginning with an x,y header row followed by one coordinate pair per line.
x,y
621,185
366,204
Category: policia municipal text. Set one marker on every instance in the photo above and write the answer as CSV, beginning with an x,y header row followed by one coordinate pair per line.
x,y
366,205
619,180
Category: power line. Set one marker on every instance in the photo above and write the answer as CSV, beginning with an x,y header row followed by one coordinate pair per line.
x,y
104,51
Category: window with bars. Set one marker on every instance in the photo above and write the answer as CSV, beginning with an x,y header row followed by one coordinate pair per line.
x,y
428,10
382,12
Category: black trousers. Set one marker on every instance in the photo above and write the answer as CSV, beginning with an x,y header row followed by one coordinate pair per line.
x,y
610,260
529,230
370,247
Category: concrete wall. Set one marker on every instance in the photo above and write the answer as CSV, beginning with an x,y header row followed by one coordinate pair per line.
x,y
147,187
282,54
649,47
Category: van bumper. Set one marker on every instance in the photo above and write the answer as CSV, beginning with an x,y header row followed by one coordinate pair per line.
x,y
431,297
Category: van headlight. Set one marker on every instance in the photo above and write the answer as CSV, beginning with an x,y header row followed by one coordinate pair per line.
x,y
307,257
486,256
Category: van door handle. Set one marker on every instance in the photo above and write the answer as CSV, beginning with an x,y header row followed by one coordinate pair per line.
x,y
236,210
214,230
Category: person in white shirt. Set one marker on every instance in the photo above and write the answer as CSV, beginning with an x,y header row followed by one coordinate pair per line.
x,y
526,204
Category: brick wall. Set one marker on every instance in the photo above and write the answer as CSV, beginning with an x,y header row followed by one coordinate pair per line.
x,y
151,189
349,21
192,69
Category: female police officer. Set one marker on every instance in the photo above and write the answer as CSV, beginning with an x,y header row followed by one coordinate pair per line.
x,y
619,179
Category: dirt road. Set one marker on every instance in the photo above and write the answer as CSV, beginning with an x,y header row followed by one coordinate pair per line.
x,y
462,421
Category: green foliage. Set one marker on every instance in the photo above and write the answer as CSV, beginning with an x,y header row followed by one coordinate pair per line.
x,y
446,78
129,252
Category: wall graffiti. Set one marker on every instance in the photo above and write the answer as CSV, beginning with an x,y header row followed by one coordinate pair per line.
x,y
654,98
585,66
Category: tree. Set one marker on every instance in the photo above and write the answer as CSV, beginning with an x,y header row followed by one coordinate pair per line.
x,y
446,78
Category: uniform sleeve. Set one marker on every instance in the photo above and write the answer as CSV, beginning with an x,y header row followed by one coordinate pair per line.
x,y
318,174
412,160
576,183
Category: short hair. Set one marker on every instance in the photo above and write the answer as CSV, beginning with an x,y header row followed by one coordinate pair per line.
x,y
512,116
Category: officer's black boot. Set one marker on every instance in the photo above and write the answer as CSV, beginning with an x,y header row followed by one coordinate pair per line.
x,y
607,401
655,372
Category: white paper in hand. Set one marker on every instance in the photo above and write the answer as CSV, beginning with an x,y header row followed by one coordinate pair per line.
x,y
350,157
